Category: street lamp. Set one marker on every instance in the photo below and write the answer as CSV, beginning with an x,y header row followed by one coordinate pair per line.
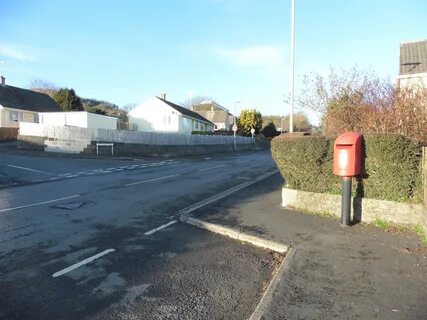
x,y
190,95
292,77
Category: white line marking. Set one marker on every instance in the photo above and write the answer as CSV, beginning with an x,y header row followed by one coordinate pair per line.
x,y
148,233
222,165
243,178
223,194
28,169
82,263
90,173
51,179
152,180
81,172
39,203
71,176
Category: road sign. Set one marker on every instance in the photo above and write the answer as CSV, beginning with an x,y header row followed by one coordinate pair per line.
x,y
234,128
252,130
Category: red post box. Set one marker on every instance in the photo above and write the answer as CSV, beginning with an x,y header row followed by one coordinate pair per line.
x,y
348,155
347,164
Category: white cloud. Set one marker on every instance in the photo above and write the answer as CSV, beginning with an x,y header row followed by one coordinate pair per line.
x,y
15,52
271,57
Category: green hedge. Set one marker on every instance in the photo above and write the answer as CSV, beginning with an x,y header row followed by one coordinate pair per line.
x,y
392,166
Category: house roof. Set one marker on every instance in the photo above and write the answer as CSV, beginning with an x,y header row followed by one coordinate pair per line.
x,y
207,105
413,57
23,99
185,111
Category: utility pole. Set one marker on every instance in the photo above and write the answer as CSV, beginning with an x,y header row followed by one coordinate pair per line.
x,y
292,76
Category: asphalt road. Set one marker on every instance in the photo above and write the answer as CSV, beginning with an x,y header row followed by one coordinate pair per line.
x,y
100,239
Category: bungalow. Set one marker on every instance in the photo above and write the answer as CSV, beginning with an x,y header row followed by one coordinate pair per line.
x,y
22,105
160,115
413,65
215,113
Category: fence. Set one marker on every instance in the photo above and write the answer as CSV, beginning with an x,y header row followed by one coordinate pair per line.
x,y
8,134
125,136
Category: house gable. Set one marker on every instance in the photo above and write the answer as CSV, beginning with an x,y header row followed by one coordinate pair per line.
x,y
413,57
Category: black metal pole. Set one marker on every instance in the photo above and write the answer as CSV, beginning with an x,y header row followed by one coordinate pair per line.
x,y
346,201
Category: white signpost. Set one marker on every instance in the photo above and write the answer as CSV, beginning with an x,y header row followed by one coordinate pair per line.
x,y
234,130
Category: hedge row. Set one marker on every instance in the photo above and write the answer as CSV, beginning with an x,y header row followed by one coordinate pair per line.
x,y
392,166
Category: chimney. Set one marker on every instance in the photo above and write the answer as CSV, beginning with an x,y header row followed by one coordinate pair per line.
x,y
3,81
162,96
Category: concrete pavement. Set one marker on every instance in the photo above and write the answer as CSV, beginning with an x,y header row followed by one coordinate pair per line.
x,y
359,272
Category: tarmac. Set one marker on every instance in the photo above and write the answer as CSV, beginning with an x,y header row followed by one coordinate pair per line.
x,y
334,272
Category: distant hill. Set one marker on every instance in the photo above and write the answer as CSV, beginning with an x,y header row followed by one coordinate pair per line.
x,y
128,107
103,107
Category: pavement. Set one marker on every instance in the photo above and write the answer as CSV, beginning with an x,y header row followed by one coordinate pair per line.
x,y
334,272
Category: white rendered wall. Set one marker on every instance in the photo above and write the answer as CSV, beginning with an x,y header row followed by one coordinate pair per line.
x,y
153,115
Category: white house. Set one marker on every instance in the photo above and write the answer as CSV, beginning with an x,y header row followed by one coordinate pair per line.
x,y
413,65
157,114
80,119
22,105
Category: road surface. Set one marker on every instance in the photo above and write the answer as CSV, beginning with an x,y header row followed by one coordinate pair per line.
x,y
101,239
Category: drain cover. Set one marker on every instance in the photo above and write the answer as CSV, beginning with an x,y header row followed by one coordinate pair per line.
x,y
70,206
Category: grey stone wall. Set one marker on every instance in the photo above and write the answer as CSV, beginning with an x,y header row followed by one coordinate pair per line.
x,y
30,143
363,209
146,150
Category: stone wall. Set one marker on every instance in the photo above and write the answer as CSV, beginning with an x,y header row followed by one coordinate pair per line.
x,y
145,150
363,209
31,143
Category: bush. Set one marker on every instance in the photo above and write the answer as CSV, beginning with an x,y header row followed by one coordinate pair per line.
x,y
269,131
392,166
203,133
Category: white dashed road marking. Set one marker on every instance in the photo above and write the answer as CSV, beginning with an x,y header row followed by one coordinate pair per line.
x,y
39,203
160,228
210,168
29,169
152,180
82,263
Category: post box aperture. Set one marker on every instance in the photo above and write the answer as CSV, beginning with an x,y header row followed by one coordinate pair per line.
x,y
348,155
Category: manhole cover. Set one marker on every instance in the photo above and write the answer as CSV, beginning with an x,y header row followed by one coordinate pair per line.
x,y
70,206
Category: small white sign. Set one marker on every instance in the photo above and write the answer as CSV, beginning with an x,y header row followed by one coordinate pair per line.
x,y
234,128
252,130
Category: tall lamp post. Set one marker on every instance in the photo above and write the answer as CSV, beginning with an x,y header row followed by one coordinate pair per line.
x,y
292,77
190,95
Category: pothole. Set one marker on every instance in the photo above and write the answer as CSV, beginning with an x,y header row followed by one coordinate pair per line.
x,y
70,206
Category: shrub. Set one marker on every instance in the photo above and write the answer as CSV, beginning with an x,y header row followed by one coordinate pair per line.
x,y
392,166
203,133
269,131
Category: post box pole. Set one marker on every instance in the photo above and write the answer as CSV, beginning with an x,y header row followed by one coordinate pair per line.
x,y
346,201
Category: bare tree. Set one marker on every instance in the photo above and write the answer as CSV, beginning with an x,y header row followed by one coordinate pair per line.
x,y
43,86
195,101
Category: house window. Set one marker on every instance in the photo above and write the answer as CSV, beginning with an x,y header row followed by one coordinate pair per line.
x,y
197,125
166,119
16,116
36,118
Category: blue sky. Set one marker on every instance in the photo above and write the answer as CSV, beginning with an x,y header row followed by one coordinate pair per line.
x,y
231,50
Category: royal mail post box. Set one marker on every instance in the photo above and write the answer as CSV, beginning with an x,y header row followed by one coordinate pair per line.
x,y
348,155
